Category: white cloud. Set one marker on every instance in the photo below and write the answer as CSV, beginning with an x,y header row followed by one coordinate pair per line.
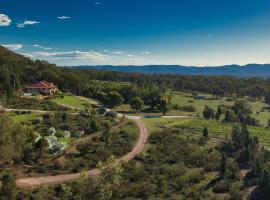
x,y
27,23
27,55
145,52
42,47
97,3
12,47
130,55
81,55
135,59
118,52
4,20
63,17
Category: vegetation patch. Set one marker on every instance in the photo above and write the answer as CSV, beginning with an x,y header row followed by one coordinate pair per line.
x,y
32,104
71,101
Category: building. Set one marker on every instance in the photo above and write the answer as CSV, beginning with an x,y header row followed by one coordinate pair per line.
x,y
51,131
200,97
78,134
43,87
66,134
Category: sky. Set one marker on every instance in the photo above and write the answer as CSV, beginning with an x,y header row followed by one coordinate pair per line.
x,y
138,32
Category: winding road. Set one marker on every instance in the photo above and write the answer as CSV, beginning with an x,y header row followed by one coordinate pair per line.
x,y
50,180
31,182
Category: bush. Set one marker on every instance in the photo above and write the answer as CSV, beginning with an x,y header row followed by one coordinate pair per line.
x,y
38,120
202,141
229,99
112,114
208,112
196,176
189,108
24,112
102,111
222,187
235,193
59,134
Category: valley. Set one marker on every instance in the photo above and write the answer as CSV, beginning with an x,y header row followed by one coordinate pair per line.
x,y
141,137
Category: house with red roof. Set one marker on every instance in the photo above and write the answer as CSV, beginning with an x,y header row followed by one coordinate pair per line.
x,y
43,87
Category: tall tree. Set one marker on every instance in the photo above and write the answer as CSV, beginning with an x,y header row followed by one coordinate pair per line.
x,y
164,104
114,99
136,104
265,181
223,164
208,113
205,132
8,187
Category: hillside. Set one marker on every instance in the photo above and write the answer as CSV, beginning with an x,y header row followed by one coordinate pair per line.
x,y
196,150
15,68
251,70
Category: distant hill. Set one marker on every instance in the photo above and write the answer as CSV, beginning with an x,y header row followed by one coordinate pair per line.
x,y
250,70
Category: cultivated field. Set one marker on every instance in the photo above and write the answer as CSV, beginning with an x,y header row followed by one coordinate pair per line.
x,y
216,129
259,108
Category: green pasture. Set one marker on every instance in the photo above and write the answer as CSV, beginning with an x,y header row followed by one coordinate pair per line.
x,y
71,101
259,108
24,117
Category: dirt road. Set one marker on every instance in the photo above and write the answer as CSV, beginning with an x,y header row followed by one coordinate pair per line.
x,y
47,180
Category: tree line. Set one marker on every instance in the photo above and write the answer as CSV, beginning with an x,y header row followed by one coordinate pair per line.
x,y
17,71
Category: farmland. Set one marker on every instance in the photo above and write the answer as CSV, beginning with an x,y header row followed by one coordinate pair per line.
x,y
195,126
259,108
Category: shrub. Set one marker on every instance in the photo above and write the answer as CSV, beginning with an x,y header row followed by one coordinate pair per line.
x,y
222,187
24,112
102,111
112,114
189,108
208,112
38,120
59,134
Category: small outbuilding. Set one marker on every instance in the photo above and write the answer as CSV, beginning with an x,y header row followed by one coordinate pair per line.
x,y
78,134
66,134
52,140
51,131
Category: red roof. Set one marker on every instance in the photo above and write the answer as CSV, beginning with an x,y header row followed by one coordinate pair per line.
x,y
41,84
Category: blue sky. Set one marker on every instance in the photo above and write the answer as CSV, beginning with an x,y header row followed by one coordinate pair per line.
x,y
138,32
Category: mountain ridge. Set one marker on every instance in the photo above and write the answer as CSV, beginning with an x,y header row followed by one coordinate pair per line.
x,y
249,70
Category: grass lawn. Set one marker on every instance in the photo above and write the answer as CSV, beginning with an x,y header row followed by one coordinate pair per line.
x,y
71,101
24,117
155,124
185,99
66,140
260,111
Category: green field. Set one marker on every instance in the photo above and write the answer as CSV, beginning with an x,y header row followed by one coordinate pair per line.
x,y
24,117
259,108
195,126
71,101
185,99
126,109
